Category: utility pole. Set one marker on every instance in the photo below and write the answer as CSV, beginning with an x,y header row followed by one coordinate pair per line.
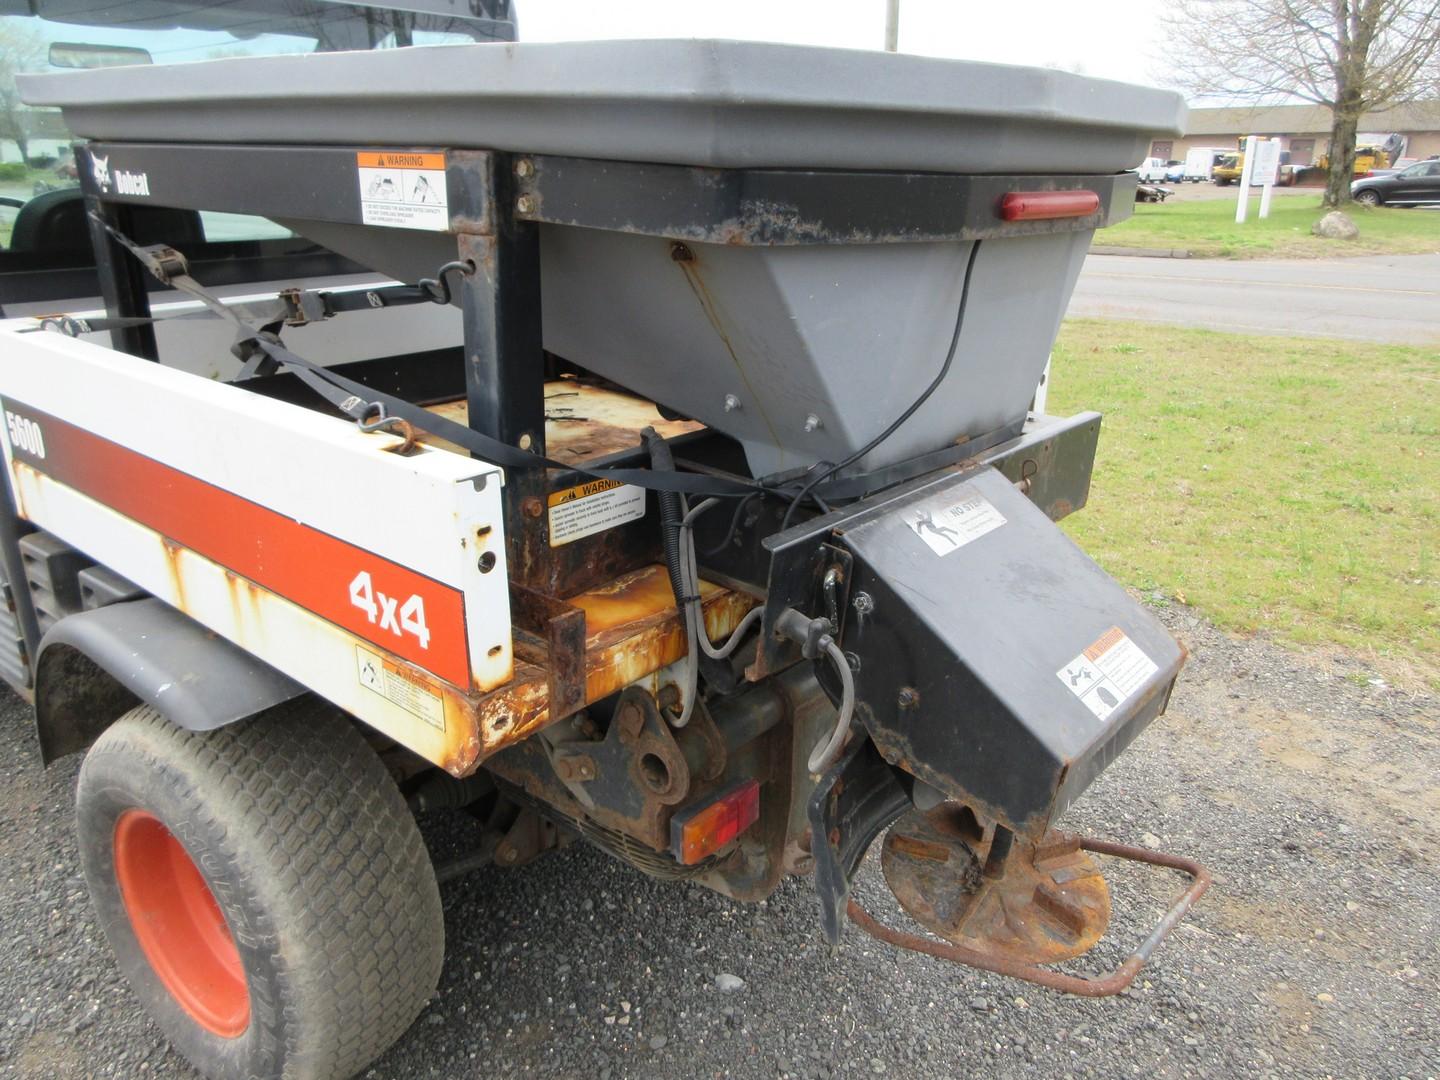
x,y
892,25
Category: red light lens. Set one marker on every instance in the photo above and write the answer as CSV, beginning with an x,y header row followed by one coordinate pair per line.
x,y
703,830
1045,205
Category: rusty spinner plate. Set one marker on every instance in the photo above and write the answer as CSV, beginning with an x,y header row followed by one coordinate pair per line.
x,y
1047,903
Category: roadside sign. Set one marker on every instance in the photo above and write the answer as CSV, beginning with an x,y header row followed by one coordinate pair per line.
x,y
1267,161
1262,166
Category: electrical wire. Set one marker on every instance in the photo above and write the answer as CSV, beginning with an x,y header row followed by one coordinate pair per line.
x,y
734,525
914,406
696,636
827,750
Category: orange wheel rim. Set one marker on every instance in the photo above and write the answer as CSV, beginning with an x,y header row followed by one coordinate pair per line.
x,y
179,925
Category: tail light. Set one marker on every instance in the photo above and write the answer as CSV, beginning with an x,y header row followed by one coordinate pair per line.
x,y
703,830
1045,205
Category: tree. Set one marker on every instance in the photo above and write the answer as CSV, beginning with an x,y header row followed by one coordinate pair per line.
x,y
21,49
1352,56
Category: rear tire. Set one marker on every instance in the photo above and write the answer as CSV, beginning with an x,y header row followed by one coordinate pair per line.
x,y
1368,198
264,888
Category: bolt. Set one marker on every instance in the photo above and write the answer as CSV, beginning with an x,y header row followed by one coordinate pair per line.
x,y
681,252
863,603
892,756
812,423
524,168
731,403
506,854
531,507
524,204
853,661
909,697
526,441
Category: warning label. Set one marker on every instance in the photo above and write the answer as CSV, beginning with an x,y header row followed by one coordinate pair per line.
x,y
399,687
403,190
950,521
1108,672
587,509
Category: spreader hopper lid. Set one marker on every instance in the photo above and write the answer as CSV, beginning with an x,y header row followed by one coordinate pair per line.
x,y
691,102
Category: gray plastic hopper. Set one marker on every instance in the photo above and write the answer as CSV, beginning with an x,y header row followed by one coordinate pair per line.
x,y
802,351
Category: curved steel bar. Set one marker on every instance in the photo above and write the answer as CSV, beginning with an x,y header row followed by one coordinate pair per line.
x,y
1110,984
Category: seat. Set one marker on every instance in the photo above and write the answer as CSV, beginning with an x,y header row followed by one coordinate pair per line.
x,y
54,222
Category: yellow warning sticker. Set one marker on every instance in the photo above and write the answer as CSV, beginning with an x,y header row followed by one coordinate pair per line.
x,y
1110,670
403,189
586,509
400,687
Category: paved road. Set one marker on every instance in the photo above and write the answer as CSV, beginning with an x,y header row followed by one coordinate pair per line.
x,y
1392,298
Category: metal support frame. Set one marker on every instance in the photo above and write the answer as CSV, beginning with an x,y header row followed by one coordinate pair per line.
x,y
496,204
505,361
122,280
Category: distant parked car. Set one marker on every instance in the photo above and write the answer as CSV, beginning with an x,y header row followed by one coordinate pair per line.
x,y
1152,170
1175,172
1419,185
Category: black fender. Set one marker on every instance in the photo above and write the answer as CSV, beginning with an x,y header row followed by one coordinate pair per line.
x,y
95,665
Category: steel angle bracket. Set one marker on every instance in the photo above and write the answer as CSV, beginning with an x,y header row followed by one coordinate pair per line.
x,y
1105,986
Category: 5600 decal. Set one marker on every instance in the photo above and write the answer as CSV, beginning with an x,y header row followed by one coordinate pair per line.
x,y
388,611
25,434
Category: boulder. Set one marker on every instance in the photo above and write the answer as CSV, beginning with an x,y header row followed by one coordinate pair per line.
x,y
1335,226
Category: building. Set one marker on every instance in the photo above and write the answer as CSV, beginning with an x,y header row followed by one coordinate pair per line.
x,y
1304,130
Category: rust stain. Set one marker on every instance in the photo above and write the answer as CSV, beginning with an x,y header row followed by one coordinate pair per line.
x,y
634,631
691,269
630,598
18,469
174,554
582,421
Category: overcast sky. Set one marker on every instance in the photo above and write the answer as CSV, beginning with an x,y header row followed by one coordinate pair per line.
x,y
1113,39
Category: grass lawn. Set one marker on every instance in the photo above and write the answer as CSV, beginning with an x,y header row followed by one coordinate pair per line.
x,y
1278,484
1207,228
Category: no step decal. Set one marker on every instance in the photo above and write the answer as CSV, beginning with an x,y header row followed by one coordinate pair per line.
x,y
952,519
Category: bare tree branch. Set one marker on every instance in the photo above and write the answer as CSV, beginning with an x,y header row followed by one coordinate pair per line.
x,y
1351,56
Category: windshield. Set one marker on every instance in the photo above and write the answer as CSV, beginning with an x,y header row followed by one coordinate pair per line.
x,y
55,35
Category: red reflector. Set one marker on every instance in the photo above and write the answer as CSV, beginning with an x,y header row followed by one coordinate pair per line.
x,y
703,830
1043,205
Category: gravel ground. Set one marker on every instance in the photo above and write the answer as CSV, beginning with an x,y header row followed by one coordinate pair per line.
x,y
1306,784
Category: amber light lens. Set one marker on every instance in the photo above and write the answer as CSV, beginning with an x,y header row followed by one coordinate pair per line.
x,y
704,830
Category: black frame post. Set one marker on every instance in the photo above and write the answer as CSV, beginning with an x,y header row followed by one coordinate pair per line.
x,y
122,280
505,360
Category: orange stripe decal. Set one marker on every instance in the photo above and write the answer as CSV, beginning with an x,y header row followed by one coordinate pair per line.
x,y
383,602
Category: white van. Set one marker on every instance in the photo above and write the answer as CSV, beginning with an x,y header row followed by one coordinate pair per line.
x,y
1200,161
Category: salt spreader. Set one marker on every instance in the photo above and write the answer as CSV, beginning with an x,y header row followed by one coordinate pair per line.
x,y
723,537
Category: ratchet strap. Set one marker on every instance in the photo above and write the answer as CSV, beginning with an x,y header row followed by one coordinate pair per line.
x,y
375,410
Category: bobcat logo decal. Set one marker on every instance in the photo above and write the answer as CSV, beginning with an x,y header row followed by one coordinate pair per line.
x,y
100,169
